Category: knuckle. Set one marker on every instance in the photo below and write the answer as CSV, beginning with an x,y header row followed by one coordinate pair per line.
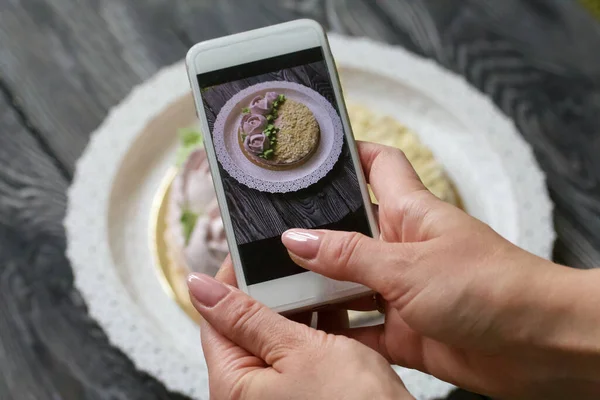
x,y
284,343
394,152
410,202
397,209
408,212
249,319
245,316
345,248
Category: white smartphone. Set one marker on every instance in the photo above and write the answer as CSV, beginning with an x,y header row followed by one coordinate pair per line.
x,y
282,155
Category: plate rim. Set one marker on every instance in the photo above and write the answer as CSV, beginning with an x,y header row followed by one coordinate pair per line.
x,y
120,129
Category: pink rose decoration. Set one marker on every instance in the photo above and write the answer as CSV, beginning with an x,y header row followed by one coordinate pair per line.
x,y
262,104
271,97
257,143
253,123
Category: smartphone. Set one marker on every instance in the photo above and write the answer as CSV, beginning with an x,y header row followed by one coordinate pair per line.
x,y
282,155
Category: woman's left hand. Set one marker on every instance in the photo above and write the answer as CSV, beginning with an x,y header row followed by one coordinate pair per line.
x,y
254,353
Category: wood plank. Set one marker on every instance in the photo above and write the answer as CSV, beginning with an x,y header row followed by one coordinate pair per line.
x,y
49,347
69,62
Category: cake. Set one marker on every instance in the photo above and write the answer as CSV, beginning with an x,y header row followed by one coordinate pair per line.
x,y
277,133
194,233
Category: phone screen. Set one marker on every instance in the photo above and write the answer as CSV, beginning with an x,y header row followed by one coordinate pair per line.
x,y
283,156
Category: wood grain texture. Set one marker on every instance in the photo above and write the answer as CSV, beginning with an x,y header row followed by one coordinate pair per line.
x,y
64,63
49,347
260,215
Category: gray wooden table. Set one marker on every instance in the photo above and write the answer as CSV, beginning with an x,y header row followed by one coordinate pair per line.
x,y
65,63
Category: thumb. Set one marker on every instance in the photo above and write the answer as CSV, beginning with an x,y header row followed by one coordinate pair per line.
x,y
351,256
245,321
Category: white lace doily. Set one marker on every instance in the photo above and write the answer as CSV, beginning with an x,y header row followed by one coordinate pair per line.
x,y
247,173
111,196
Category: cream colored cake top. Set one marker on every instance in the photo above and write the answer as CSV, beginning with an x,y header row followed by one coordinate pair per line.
x,y
298,132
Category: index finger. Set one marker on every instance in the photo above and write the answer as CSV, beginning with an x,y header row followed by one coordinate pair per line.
x,y
388,171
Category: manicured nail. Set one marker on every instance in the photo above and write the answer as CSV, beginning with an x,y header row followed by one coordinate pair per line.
x,y
302,243
206,290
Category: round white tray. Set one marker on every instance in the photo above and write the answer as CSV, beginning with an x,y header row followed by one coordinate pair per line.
x,y
110,200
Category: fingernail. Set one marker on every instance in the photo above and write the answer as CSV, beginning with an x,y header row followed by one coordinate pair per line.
x,y
302,243
206,290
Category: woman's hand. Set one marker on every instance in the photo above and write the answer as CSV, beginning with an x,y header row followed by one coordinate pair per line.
x,y
255,353
462,303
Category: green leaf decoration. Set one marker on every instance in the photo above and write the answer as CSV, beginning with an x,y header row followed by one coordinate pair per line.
x,y
188,222
190,139
268,153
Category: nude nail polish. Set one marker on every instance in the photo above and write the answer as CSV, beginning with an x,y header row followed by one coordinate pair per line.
x,y
302,243
206,290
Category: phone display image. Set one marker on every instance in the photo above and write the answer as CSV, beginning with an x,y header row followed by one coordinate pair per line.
x,y
282,154
277,136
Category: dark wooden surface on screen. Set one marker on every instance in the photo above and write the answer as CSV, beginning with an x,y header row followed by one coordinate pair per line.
x,y
259,215
64,64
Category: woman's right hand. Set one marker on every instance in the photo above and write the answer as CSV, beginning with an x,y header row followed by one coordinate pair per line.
x,y
462,303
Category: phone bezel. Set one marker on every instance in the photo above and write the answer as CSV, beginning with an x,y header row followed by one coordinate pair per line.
x,y
307,289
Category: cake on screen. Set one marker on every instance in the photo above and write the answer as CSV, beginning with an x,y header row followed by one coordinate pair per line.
x,y
277,133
